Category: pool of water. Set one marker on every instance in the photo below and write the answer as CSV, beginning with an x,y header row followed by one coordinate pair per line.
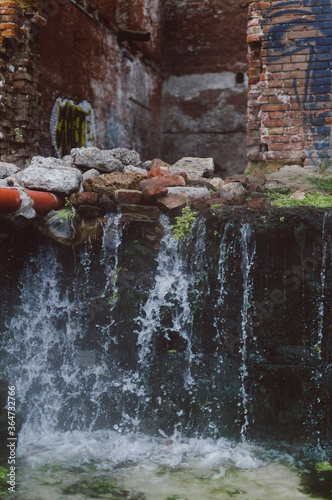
x,y
109,465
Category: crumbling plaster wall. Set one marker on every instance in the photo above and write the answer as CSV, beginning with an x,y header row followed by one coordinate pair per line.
x,y
205,89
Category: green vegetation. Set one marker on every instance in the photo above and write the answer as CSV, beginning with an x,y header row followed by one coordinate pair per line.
x,y
322,183
3,478
316,200
323,467
64,214
324,165
184,222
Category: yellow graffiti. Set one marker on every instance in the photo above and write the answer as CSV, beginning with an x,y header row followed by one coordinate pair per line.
x,y
72,127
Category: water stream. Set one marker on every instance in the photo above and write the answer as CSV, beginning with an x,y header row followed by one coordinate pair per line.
x,y
142,381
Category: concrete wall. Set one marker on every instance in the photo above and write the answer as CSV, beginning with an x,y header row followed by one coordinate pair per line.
x,y
289,113
205,90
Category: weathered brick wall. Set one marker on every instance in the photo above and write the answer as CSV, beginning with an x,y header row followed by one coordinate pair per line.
x,y
96,90
289,109
205,92
19,96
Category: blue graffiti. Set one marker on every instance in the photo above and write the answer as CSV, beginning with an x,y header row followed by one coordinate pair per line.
x,y
112,139
316,16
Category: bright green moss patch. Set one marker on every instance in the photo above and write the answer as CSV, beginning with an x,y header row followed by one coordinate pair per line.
x,y
317,200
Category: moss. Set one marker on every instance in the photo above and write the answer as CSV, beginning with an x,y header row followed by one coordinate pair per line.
x,y
300,233
322,183
33,4
316,200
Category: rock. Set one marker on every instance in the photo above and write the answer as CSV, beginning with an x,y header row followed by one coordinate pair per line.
x,y
77,199
256,188
126,156
200,204
163,181
149,211
233,193
194,193
140,224
172,204
277,187
294,176
146,165
156,163
128,196
48,162
89,211
203,183
59,179
195,168
94,158
214,201
138,170
107,205
109,183
216,182
237,178
298,195
257,177
90,173
151,193
7,169
159,171
259,204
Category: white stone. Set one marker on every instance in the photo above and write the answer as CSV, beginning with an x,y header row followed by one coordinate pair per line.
x,y
195,168
59,180
130,168
88,158
194,193
7,169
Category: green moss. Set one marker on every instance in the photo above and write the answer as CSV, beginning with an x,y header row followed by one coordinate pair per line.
x,y
317,200
322,183
184,222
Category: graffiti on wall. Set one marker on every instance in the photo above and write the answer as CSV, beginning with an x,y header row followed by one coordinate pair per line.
x,y
72,124
313,91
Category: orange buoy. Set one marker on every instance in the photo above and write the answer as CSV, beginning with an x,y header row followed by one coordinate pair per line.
x,y
10,200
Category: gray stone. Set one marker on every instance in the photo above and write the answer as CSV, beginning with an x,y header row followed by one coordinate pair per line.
x,y
7,169
90,173
216,182
146,165
194,193
233,193
138,170
126,156
48,162
94,158
58,180
195,168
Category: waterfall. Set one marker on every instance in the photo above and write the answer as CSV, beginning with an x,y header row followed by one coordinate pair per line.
x,y
248,254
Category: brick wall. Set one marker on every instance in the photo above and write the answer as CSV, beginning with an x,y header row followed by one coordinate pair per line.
x,y
97,90
19,96
205,90
289,105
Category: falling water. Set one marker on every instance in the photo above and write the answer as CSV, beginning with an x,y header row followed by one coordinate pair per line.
x,y
248,255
